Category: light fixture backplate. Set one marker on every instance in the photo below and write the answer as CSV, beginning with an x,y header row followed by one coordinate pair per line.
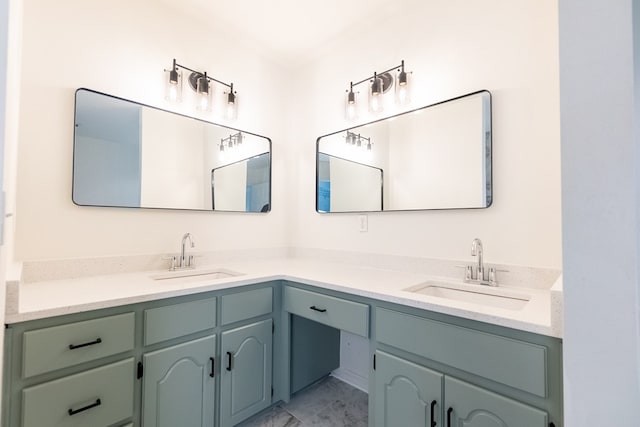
x,y
387,81
193,80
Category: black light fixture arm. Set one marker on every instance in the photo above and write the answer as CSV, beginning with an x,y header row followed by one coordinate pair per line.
x,y
209,78
375,74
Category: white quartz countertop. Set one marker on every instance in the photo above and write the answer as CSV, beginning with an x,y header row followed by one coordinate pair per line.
x,y
58,297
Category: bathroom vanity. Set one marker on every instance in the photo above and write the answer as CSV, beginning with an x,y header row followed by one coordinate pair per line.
x,y
128,357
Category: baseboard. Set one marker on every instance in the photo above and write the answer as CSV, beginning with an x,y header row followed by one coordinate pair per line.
x,y
351,378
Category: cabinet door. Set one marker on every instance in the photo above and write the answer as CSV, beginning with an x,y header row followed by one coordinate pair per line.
x,y
246,372
406,394
179,389
470,406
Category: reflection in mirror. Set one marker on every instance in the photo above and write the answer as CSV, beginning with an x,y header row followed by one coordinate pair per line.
x,y
345,185
435,157
243,185
131,155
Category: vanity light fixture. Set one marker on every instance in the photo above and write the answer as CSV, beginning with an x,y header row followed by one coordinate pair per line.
x,y
379,84
359,141
351,112
202,85
231,141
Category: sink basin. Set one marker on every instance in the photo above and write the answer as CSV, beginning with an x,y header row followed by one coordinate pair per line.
x,y
195,275
477,294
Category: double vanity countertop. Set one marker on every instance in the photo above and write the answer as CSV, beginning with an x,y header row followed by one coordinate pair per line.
x,y
542,314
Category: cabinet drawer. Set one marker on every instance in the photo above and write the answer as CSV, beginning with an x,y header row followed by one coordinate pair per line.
x,y
336,312
245,305
165,323
515,363
48,349
97,398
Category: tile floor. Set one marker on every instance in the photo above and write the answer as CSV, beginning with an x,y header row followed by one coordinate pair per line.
x,y
327,403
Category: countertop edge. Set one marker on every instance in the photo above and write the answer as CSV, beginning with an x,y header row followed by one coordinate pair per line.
x,y
14,316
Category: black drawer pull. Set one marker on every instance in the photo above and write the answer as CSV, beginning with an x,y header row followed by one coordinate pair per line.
x,y
86,344
213,367
449,411
433,413
98,402
229,358
321,310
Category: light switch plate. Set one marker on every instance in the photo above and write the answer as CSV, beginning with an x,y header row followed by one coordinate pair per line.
x,y
363,223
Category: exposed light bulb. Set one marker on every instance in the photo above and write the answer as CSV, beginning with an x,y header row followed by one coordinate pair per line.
x,y
375,103
403,94
204,101
173,93
351,111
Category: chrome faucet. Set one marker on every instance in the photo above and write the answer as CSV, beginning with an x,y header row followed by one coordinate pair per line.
x,y
476,250
479,276
185,261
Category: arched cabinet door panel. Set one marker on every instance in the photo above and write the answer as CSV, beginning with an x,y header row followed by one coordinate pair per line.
x,y
406,394
246,372
469,406
178,387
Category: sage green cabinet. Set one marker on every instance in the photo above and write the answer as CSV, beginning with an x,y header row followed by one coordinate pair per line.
x,y
470,406
179,385
491,376
406,394
212,360
246,371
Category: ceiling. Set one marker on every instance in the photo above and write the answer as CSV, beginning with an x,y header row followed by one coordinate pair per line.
x,y
288,30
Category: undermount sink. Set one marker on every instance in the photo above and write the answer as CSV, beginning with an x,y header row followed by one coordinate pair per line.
x,y
477,294
196,275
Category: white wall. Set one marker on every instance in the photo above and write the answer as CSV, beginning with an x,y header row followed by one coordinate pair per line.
x,y
121,47
453,48
600,116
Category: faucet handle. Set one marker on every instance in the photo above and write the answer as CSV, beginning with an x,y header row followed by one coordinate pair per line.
x,y
493,278
173,260
468,272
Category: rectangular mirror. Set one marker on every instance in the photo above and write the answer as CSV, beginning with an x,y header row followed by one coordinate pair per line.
x,y
435,157
127,154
